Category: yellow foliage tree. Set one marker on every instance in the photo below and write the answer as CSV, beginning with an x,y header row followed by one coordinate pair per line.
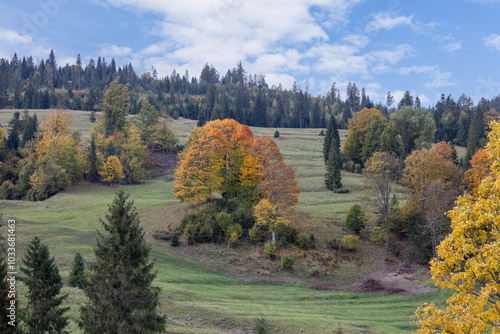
x,y
266,214
468,260
56,123
112,170
480,168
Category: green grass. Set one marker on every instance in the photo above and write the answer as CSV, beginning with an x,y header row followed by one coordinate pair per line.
x,y
194,284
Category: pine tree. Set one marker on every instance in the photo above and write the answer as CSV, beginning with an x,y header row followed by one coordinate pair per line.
x,y
92,157
332,132
120,296
44,312
77,275
333,179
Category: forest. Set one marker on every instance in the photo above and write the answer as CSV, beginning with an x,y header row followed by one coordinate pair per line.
x,y
416,191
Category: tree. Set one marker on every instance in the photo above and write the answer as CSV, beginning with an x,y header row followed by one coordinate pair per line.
x,y
112,170
114,107
468,258
165,138
332,132
414,127
479,170
358,127
355,219
146,120
77,275
213,161
93,174
333,178
379,175
444,150
121,298
265,214
44,312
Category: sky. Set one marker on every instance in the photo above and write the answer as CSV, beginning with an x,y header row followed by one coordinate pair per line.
x,y
427,47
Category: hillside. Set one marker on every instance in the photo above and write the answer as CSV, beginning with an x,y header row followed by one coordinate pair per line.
x,y
209,288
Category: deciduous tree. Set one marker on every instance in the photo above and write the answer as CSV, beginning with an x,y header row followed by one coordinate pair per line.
x,y
468,258
112,170
480,169
379,176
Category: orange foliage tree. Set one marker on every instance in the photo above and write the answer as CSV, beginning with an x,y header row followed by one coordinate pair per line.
x,y
215,162
480,169
444,150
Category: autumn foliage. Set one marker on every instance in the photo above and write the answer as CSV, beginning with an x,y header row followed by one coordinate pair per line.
x,y
468,258
223,157
480,169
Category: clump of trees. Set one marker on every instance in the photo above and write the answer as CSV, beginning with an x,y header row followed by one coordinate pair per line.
x,y
243,179
468,257
38,160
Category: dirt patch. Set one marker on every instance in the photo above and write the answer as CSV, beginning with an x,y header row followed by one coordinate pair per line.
x,y
371,285
388,284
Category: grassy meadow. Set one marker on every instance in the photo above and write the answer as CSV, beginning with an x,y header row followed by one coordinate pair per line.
x,y
201,291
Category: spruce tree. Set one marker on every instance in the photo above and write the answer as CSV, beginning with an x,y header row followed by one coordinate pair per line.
x,y
44,312
120,296
77,275
333,179
92,156
332,132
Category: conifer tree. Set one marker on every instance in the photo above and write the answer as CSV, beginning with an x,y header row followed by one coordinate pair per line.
x,y
77,275
333,179
92,156
44,312
120,296
332,132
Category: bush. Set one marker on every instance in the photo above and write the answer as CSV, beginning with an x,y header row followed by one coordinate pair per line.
x,y
174,241
161,235
377,236
314,272
355,219
302,240
233,234
287,262
189,234
333,243
286,234
358,169
350,242
322,133
276,134
341,191
255,235
270,249
223,219
203,226
348,166
260,326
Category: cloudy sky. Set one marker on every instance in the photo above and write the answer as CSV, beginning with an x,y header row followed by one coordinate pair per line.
x,y
427,47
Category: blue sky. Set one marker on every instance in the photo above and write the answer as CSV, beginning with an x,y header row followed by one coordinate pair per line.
x,y
427,47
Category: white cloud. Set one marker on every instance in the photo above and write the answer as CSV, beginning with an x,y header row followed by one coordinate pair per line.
x,y
115,51
13,37
359,41
493,41
388,21
433,73
451,47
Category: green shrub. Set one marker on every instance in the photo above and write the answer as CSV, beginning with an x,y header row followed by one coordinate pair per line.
x,y
377,236
355,219
276,134
223,219
174,241
322,133
302,240
350,242
255,235
286,234
333,243
341,191
287,262
189,234
260,326
358,169
270,249
233,234
314,272
161,235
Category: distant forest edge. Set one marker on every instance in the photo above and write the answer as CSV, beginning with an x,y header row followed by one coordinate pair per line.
x,y
246,98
